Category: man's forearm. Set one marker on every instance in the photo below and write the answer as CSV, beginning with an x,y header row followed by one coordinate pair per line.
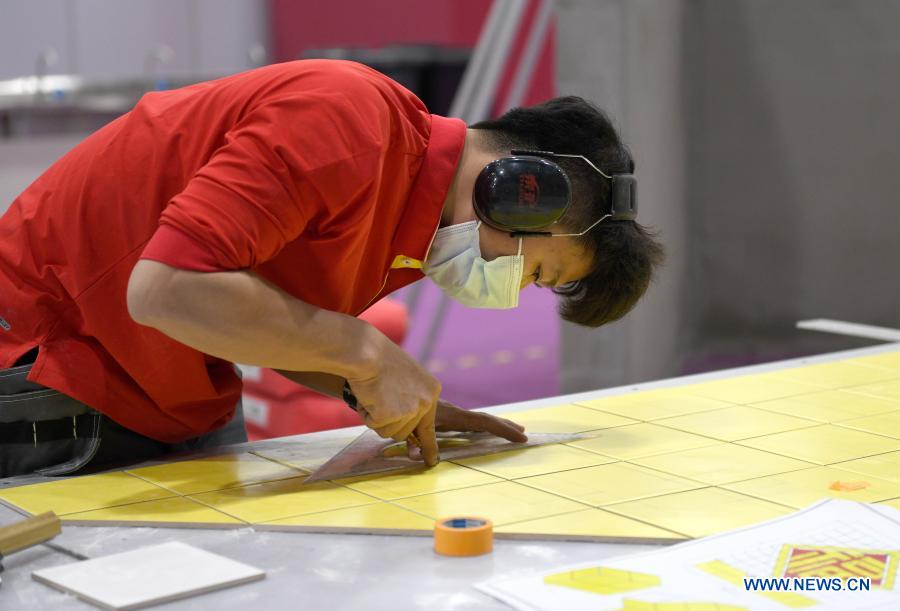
x,y
240,317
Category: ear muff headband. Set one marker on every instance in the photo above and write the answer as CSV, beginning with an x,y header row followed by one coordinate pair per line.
x,y
526,192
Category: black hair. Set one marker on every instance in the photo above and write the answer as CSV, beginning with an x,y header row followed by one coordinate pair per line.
x,y
624,252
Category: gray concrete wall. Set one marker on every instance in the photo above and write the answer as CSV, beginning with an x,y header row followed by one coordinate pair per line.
x,y
626,56
767,138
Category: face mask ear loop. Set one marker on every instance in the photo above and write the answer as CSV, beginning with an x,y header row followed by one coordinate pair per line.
x,y
519,253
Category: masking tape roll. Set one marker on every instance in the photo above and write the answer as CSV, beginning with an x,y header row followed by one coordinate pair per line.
x,y
463,536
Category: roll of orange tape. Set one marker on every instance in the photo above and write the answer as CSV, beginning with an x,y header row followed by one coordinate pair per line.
x,y
463,536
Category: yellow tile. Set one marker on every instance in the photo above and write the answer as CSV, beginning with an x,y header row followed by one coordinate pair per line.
x,y
885,466
607,484
83,493
636,440
751,388
883,424
589,523
824,444
738,422
534,461
176,509
382,516
722,463
214,473
654,405
837,375
281,499
566,419
884,390
502,503
698,513
829,406
445,476
801,488
888,360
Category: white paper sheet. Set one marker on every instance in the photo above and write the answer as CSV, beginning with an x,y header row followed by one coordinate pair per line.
x,y
831,539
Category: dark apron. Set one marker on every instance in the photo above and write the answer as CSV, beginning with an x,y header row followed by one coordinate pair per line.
x,y
46,432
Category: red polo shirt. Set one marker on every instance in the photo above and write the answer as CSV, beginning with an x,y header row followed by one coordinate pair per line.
x,y
324,177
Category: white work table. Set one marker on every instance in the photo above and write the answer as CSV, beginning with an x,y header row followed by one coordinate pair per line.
x,y
338,571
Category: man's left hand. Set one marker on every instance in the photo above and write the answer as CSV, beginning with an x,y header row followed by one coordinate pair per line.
x,y
452,418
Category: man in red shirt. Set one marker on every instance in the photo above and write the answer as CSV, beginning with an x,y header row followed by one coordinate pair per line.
x,y
251,219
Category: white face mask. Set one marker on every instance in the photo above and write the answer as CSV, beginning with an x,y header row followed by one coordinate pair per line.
x,y
455,264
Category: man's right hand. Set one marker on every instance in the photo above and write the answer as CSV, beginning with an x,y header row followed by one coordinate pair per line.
x,y
398,397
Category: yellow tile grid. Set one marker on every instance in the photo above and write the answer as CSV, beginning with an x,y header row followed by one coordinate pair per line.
x,y
214,473
697,513
608,484
824,444
566,419
885,390
635,440
733,423
502,503
445,476
885,466
883,424
589,523
653,405
830,406
175,510
383,516
534,461
801,488
841,374
752,388
281,499
84,493
722,463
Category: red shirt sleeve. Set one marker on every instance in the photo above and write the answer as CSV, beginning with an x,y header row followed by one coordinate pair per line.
x,y
301,158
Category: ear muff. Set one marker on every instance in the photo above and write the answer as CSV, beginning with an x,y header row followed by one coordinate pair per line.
x,y
521,193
